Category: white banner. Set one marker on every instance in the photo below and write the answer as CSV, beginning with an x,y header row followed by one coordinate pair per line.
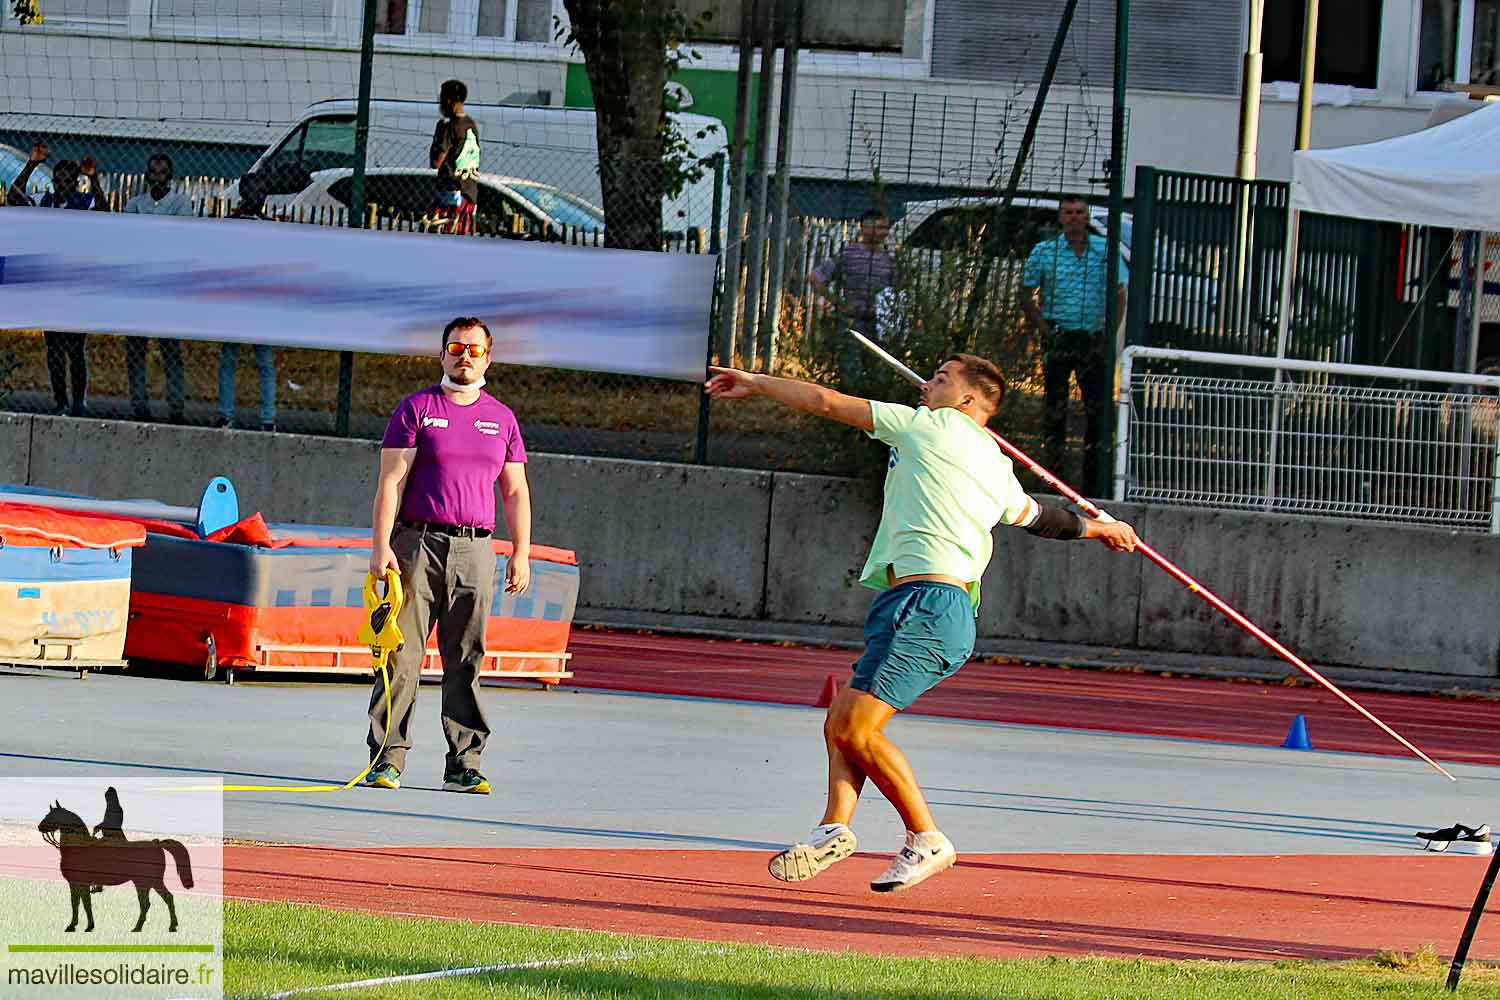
x,y
294,285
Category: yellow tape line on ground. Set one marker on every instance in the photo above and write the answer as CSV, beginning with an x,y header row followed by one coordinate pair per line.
x,y
381,633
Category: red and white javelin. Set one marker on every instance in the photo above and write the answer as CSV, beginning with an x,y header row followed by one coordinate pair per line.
x,y
1171,569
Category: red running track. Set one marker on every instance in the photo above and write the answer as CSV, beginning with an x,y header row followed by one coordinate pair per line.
x,y
1446,728
1176,907
993,906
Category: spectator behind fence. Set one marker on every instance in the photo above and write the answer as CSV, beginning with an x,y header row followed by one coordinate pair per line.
x,y
252,205
158,199
455,157
1063,294
76,186
852,280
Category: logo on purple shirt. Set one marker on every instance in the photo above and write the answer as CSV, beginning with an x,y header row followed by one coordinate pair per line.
x,y
461,451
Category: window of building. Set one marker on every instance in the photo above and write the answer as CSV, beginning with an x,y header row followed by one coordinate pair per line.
x,y
84,13
1185,48
260,19
1348,42
513,20
1459,43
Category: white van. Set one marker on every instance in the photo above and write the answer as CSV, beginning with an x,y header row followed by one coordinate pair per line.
x,y
555,146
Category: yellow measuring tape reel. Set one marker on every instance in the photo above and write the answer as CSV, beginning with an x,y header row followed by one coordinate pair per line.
x,y
381,633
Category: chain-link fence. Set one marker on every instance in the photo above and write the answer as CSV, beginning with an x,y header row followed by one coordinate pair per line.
x,y
248,116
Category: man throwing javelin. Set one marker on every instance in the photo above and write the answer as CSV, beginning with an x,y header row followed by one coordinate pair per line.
x,y
947,486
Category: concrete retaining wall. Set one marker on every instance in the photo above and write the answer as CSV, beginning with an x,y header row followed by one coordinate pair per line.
x,y
15,448
779,547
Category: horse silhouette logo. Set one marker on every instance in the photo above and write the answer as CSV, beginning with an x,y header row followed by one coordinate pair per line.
x,y
91,860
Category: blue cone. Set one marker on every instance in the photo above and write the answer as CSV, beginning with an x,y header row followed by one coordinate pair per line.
x,y
1296,737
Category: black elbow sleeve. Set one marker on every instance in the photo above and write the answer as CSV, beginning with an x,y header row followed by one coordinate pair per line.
x,y
1054,522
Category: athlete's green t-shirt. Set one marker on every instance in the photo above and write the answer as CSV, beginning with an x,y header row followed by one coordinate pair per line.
x,y
948,485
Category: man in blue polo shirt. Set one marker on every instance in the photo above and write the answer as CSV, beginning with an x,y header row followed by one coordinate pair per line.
x,y
1063,295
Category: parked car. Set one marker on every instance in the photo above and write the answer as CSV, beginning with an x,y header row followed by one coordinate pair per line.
x,y
947,224
1188,276
12,162
514,206
556,146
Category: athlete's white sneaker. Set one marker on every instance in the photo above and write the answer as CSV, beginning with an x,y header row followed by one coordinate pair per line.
x,y
923,856
826,846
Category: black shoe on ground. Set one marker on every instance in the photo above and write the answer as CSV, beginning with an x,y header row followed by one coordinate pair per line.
x,y
269,428
221,421
1459,838
466,780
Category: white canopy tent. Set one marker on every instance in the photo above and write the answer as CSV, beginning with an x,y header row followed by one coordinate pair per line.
x,y
1447,176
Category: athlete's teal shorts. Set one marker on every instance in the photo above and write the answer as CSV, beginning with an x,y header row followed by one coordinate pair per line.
x,y
916,635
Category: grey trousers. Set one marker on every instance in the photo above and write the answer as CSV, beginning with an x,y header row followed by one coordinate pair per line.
x,y
450,581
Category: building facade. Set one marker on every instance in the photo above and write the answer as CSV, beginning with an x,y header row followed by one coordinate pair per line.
x,y
235,72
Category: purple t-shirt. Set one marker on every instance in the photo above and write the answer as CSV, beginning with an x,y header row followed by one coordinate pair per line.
x,y
460,452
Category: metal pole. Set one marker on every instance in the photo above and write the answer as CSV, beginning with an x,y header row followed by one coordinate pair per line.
x,y
1461,955
1023,152
1309,61
1245,165
1293,231
1283,337
715,245
1113,332
1495,484
357,196
1476,300
729,306
1250,94
1476,303
756,254
791,11
1122,429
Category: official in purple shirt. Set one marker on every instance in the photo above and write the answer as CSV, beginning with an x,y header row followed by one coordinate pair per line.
x,y
434,513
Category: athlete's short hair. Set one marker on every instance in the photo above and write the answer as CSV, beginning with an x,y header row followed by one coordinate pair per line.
x,y
983,376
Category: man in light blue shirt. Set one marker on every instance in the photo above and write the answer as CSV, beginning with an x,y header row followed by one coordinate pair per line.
x,y
159,198
1063,295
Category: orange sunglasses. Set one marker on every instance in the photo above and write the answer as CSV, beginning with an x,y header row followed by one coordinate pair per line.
x,y
454,349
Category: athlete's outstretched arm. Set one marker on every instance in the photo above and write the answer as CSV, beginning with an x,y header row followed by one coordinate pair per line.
x,y
731,383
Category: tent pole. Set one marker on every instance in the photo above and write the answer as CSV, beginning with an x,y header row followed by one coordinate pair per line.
x,y
1308,81
1283,330
1249,142
1476,298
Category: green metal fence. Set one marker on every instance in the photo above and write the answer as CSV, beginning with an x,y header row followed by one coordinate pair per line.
x,y
1206,265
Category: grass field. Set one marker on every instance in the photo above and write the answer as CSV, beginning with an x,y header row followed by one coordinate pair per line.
x,y
272,948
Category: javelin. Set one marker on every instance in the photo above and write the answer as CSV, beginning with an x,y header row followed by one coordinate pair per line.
x,y
1172,570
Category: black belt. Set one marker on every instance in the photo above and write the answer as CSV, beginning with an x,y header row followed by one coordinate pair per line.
x,y
456,530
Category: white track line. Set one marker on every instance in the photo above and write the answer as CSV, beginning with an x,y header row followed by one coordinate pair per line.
x,y
445,974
